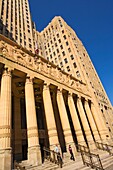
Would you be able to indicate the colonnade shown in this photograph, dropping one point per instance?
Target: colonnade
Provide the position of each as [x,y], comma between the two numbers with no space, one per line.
[92,122]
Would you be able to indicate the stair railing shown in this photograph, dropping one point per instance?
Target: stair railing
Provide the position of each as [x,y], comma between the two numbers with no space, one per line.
[105,147]
[88,158]
[53,156]
[82,148]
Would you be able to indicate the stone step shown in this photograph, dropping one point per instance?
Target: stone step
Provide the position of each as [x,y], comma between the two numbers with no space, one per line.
[106,159]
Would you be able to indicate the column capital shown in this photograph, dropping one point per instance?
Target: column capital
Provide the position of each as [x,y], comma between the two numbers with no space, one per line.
[86,100]
[46,85]
[59,90]
[70,94]
[7,71]
[29,79]
[79,97]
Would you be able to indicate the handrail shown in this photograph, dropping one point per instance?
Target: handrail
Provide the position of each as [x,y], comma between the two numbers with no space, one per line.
[92,160]
[53,156]
[16,165]
[88,158]
[105,147]
[82,148]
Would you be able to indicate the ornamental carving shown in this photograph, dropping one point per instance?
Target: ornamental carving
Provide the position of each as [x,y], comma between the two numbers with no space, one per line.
[37,64]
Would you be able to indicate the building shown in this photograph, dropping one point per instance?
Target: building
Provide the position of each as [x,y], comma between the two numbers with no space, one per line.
[47,98]
[60,45]
[16,23]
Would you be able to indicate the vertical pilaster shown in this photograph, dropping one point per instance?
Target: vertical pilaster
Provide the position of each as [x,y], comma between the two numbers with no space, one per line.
[17,129]
[91,121]
[85,124]
[75,120]
[5,124]
[65,121]
[34,155]
[100,123]
[51,126]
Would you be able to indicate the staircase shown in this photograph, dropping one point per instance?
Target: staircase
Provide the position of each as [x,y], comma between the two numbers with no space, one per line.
[106,159]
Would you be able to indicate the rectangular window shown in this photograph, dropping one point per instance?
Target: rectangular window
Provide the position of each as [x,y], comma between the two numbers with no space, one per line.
[72,57]
[74,64]
[65,60]
[63,53]
[68,69]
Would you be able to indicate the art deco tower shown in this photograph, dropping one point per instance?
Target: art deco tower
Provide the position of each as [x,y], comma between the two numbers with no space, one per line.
[16,23]
[60,45]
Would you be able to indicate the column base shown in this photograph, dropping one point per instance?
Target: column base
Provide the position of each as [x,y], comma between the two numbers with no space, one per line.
[34,155]
[6,159]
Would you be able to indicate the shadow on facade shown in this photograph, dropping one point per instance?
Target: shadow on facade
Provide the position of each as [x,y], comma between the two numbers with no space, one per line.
[4,31]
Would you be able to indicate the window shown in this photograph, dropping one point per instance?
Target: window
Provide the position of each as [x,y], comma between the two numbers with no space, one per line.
[54,53]
[63,53]
[29,39]
[62,31]
[59,57]
[68,69]
[69,50]
[57,50]
[67,43]
[77,73]
[61,64]
[55,44]
[72,57]
[74,64]
[57,35]
[59,40]
[64,36]
[30,46]
[65,60]
[61,47]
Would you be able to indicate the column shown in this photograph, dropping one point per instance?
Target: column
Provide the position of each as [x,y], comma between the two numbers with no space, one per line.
[75,120]
[100,123]
[5,124]
[17,130]
[65,121]
[34,155]
[85,124]
[91,121]
[50,120]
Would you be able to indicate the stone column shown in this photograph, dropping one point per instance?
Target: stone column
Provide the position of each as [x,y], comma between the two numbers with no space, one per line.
[17,129]
[85,124]
[75,120]
[92,122]
[100,123]
[65,121]
[34,154]
[5,124]
[50,120]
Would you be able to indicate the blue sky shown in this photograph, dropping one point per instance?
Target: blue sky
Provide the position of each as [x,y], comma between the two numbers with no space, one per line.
[92,20]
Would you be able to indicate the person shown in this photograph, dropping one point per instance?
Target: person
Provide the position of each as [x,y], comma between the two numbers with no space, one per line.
[56,149]
[71,153]
[59,159]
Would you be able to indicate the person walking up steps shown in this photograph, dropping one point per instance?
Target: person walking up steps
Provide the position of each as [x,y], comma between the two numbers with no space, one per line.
[71,153]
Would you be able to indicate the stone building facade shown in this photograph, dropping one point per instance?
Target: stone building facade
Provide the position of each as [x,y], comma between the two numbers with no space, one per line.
[44,102]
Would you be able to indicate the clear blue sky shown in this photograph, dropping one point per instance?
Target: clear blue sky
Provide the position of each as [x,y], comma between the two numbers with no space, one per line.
[92,20]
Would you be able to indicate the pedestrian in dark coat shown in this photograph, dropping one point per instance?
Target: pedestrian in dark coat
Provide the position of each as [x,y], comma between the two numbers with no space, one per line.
[71,153]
